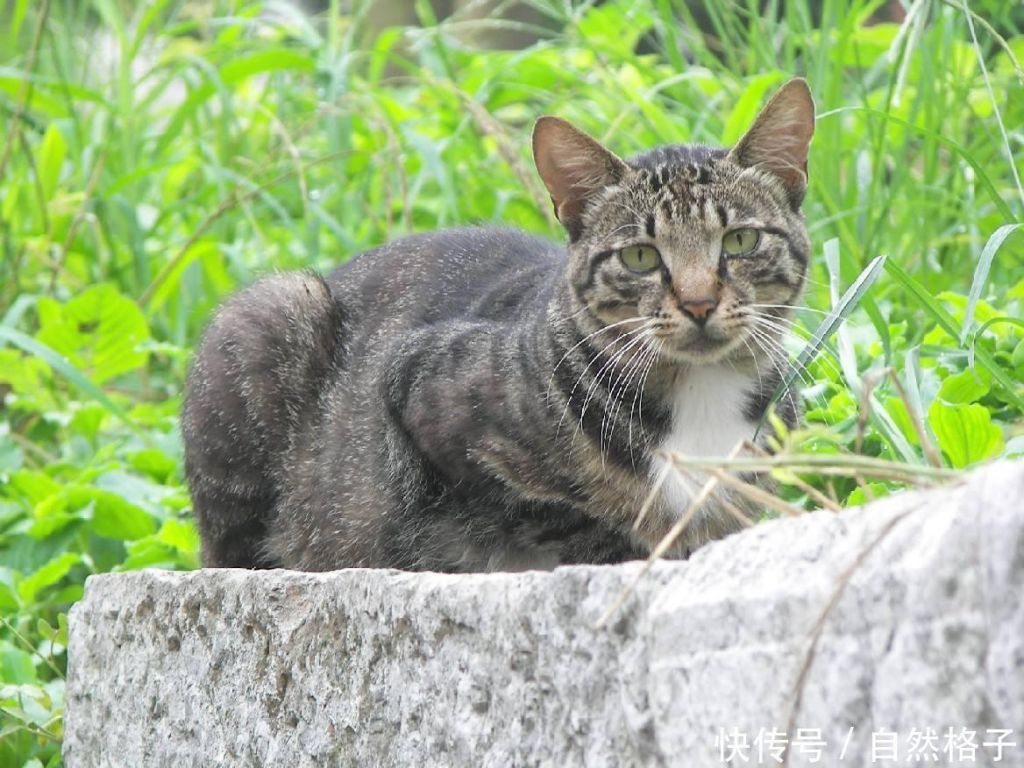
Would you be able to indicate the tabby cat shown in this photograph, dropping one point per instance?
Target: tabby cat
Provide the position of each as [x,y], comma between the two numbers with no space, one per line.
[479,399]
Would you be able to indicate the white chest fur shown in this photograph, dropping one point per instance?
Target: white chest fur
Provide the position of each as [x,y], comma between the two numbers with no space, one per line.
[707,420]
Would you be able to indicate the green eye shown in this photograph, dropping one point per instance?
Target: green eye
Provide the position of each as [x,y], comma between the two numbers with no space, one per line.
[740,241]
[640,258]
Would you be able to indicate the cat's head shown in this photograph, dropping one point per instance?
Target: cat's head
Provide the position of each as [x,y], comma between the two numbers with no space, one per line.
[706,246]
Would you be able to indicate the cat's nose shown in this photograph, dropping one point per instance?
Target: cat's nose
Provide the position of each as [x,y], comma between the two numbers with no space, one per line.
[700,310]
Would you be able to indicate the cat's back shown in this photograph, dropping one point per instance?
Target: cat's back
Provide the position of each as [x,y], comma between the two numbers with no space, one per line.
[473,273]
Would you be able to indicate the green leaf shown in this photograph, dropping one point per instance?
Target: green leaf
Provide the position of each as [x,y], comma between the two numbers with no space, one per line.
[45,631]
[17,18]
[116,518]
[61,365]
[112,17]
[1017,358]
[143,492]
[981,271]
[614,27]
[152,462]
[47,576]
[100,328]
[180,534]
[176,545]
[62,629]
[965,387]
[866,494]
[50,160]
[16,667]
[942,319]
[50,518]
[846,304]
[8,592]
[260,62]
[34,487]
[11,456]
[28,377]
[936,135]
[33,702]
[148,553]
[86,421]
[169,279]
[68,595]
[965,433]
[866,45]
[233,72]
[747,105]
[901,417]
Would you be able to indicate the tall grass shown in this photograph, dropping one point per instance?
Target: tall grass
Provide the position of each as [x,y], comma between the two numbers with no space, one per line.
[155,156]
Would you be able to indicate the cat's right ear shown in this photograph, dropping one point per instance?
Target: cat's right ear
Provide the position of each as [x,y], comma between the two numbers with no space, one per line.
[780,137]
[574,168]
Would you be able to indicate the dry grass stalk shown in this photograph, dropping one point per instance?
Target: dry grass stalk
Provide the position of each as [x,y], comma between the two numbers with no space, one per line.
[820,498]
[231,201]
[930,451]
[841,465]
[754,493]
[655,490]
[27,86]
[819,625]
[667,541]
[741,517]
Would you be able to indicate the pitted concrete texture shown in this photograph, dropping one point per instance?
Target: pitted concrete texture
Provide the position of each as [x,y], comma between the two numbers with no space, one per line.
[897,621]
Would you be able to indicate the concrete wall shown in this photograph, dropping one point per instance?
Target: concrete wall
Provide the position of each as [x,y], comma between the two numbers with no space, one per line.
[918,600]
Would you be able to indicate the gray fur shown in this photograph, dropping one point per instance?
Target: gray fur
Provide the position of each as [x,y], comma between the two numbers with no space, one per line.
[478,399]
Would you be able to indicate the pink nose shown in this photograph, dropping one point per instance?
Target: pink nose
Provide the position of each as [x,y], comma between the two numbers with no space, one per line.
[699,311]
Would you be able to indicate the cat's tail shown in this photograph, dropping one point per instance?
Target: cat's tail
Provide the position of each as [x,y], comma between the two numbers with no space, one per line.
[257,375]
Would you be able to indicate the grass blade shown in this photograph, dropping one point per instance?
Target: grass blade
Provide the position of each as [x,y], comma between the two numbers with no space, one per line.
[994,243]
[982,173]
[61,365]
[943,318]
[847,303]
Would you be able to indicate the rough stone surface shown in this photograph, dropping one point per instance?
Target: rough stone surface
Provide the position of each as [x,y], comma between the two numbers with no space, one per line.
[923,628]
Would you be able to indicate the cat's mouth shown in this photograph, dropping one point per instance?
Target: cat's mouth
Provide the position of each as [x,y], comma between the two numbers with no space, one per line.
[705,344]
[699,346]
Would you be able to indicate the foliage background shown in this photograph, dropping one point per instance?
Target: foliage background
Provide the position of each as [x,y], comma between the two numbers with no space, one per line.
[155,156]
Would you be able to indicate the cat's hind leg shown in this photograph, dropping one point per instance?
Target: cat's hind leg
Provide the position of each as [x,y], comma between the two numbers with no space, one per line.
[257,374]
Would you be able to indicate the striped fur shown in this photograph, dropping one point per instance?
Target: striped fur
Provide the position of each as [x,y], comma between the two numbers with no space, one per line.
[480,399]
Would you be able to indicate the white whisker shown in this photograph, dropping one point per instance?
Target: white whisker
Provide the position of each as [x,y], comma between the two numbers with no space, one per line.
[592,389]
[600,373]
[585,339]
[655,350]
[617,386]
[788,306]
[635,371]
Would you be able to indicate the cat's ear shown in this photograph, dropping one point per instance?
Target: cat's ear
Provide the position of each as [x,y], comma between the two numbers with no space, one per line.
[574,168]
[778,140]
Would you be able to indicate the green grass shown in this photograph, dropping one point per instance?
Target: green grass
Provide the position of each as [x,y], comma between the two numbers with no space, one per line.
[156,156]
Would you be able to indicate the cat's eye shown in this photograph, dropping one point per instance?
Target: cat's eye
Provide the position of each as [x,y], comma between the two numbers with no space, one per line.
[740,241]
[640,258]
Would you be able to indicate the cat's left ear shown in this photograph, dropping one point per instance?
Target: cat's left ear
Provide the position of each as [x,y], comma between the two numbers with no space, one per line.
[574,168]
[778,140]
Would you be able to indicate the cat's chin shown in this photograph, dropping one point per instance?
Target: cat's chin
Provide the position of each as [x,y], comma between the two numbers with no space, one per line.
[702,350]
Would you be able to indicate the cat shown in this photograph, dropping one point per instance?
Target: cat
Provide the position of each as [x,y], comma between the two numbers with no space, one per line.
[480,399]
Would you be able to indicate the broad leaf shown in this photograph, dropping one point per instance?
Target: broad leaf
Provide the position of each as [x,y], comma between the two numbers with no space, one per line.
[965,387]
[101,330]
[47,576]
[965,433]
